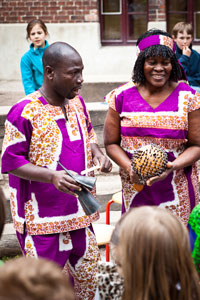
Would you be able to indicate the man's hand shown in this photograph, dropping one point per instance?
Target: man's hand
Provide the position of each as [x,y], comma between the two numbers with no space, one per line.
[65,183]
[186,51]
[100,159]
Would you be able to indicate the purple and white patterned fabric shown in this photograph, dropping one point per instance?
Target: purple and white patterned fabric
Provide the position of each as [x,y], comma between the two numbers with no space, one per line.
[167,126]
[37,132]
[157,40]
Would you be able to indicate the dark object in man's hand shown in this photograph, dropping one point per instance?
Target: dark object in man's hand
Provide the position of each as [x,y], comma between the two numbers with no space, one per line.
[87,200]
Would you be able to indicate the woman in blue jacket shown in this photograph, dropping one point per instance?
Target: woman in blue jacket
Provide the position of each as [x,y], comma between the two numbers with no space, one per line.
[31,62]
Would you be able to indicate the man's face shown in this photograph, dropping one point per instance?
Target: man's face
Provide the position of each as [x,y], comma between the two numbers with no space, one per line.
[68,77]
[183,39]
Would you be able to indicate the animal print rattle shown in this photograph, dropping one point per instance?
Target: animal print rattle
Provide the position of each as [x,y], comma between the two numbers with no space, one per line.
[148,161]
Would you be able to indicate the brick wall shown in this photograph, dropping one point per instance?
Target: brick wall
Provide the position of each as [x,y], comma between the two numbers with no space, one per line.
[157,10]
[65,11]
[50,11]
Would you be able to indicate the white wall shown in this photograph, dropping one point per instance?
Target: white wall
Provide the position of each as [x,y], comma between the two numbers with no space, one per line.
[102,64]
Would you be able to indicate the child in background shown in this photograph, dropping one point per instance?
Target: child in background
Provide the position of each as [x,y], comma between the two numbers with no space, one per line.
[31,62]
[182,34]
[27,278]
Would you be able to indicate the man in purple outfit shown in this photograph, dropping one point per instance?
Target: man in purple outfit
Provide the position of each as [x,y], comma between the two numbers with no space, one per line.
[47,126]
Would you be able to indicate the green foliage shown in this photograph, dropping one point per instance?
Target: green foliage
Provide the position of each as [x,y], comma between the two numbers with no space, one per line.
[6,258]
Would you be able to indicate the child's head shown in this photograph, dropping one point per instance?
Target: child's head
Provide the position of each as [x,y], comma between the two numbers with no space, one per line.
[33,279]
[2,210]
[180,27]
[37,32]
[182,33]
[155,256]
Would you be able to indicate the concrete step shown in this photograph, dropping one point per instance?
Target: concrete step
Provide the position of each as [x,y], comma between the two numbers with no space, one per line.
[13,91]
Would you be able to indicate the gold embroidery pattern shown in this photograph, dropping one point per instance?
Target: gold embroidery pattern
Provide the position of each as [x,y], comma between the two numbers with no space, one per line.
[194,102]
[132,143]
[84,274]
[182,208]
[92,134]
[19,226]
[12,136]
[29,247]
[36,226]
[167,41]
[151,121]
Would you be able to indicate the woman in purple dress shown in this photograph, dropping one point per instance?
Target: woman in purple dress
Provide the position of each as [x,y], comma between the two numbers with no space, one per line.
[156,107]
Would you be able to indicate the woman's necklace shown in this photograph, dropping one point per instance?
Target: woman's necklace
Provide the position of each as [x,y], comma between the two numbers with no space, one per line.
[62,107]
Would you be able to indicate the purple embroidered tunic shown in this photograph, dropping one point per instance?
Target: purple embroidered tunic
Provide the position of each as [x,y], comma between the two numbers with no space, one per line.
[167,126]
[37,132]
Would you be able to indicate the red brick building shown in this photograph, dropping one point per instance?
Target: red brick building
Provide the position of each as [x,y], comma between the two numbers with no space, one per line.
[99,29]
[121,20]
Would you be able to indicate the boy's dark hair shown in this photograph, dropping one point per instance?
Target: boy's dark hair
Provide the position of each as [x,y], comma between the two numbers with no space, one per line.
[152,51]
[181,27]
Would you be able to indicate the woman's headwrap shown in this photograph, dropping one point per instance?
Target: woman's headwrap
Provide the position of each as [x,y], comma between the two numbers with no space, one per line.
[163,40]
[157,40]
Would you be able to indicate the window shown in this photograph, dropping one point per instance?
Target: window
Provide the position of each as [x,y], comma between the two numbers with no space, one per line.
[122,21]
[187,11]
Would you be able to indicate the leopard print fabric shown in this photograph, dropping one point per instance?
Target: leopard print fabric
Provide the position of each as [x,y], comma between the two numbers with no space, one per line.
[110,283]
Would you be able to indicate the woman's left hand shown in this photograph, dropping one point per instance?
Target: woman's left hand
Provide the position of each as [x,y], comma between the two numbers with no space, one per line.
[162,176]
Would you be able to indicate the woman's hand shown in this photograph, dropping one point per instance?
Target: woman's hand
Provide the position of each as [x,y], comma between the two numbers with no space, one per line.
[169,169]
[134,178]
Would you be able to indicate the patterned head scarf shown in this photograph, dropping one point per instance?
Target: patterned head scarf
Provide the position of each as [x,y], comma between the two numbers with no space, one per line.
[159,39]
[156,40]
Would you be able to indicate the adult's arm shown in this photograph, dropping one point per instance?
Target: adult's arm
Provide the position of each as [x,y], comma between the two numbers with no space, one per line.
[59,179]
[192,152]
[112,139]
